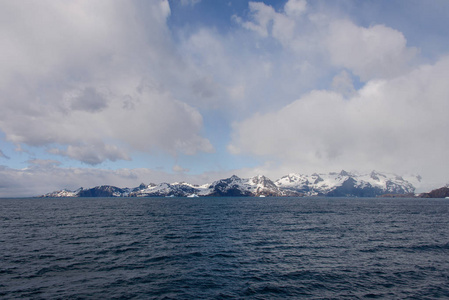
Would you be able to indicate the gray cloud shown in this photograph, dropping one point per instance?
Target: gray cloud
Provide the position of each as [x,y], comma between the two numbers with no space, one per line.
[89,100]
[92,154]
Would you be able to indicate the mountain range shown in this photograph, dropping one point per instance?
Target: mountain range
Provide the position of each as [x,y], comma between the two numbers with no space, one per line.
[342,184]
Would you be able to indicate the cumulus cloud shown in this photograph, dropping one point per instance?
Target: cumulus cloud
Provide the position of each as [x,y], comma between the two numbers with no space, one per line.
[382,121]
[89,79]
[398,125]
[371,52]
[374,52]
[263,15]
[237,75]
[295,7]
[266,21]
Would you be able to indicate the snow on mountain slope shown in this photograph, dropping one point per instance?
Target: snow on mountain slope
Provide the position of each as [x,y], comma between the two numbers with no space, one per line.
[236,186]
[178,189]
[232,186]
[346,184]
[332,184]
[62,194]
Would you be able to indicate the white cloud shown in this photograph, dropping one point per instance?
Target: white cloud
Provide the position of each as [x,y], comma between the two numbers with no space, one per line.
[87,77]
[295,7]
[397,125]
[337,126]
[237,75]
[266,21]
[262,15]
[326,41]
[374,52]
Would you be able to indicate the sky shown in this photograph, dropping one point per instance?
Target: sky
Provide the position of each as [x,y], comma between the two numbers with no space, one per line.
[129,92]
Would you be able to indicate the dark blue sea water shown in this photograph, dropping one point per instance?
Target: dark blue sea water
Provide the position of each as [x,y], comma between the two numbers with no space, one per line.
[224,248]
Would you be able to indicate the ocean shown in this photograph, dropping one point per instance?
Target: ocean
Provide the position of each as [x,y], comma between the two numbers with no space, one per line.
[224,248]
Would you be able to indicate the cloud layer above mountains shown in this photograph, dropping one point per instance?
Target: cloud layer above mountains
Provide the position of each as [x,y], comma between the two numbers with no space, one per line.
[395,120]
[294,86]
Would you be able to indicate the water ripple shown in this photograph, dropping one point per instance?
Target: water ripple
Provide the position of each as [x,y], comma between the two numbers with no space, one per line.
[224,248]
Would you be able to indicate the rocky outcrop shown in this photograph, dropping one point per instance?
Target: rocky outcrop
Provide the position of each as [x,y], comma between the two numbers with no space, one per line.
[438,193]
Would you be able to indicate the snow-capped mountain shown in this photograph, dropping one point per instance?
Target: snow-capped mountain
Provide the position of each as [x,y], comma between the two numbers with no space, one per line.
[232,186]
[346,184]
[236,186]
[98,191]
[104,191]
[331,184]
[177,189]
[63,194]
